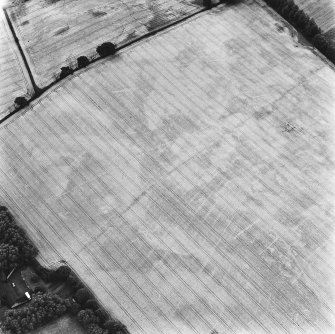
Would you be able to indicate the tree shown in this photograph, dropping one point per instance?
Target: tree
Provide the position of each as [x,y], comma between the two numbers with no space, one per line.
[300,19]
[21,101]
[60,274]
[73,307]
[114,326]
[311,29]
[278,4]
[65,71]
[9,256]
[330,53]
[74,282]
[40,289]
[34,278]
[82,61]
[106,49]
[86,317]
[207,3]
[94,329]
[13,235]
[92,304]
[102,315]
[303,21]
[232,2]
[42,309]
[292,12]
[285,11]
[321,43]
[3,208]
[82,295]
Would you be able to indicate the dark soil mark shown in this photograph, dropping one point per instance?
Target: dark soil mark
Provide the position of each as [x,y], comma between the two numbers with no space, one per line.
[98,13]
[197,2]
[51,2]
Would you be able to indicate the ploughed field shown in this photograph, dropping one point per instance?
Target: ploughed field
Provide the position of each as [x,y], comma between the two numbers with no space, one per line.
[55,33]
[322,11]
[14,77]
[189,179]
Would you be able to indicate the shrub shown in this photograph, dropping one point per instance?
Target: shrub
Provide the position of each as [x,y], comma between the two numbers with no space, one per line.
[60,274]
[82,295]
[106,49]
[21,101]
[44,273]
[86,317]
[34,278]
[3,209]
[73,307]
[82,61]
[74,282]
[92,304]
[40,289]
[42,309]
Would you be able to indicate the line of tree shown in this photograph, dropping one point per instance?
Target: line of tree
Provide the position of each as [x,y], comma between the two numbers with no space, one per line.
[17,250]
[104,50]
[15,247]
[306,25]
[44,308]
[90,314]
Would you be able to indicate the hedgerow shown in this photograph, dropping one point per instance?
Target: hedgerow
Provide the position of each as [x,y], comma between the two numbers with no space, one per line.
[17,250]
[15,241]
[305,25]
[41,310]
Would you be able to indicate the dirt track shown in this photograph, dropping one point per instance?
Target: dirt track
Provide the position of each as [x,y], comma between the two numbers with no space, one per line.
[14,77]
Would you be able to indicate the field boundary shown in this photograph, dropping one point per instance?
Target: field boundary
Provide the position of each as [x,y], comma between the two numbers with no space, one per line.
[17,42]
[296,17]
[39,91]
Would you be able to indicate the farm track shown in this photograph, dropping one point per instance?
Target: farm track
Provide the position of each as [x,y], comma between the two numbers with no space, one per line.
[37,91]
[188,180]
[15,80]
[69,30]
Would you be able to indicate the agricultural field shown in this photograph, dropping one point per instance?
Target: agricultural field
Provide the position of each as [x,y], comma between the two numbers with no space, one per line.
[14,77]
[189,181]
[322,11]
[55,33]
